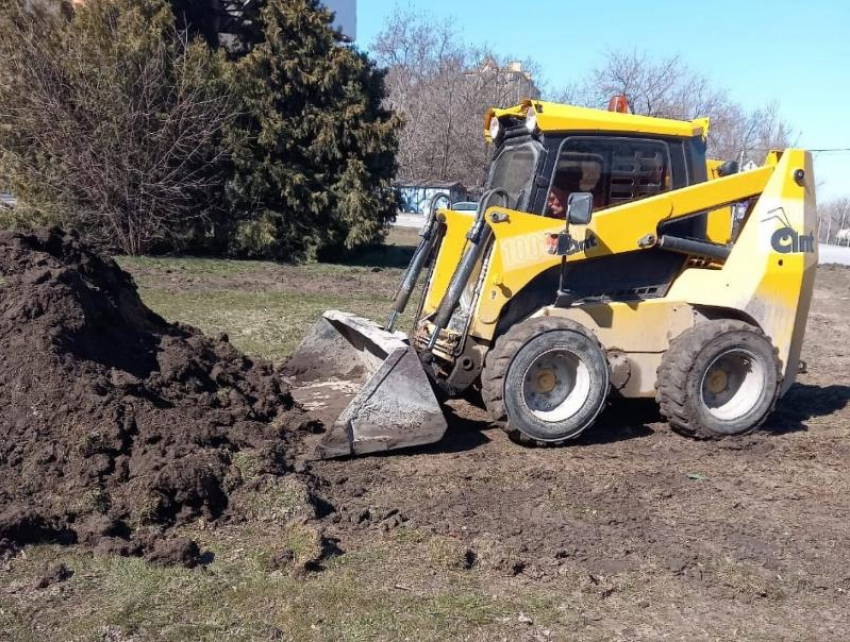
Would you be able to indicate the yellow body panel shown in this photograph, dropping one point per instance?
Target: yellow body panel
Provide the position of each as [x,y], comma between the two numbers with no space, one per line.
[520,252]
[770,274]
[719,223]
[645,326]
[553,117]
[712,166]
[767,279]
[451,250]
[640,331]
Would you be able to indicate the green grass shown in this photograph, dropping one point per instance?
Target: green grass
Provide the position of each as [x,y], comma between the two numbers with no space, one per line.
[358,597]
[394,253]
[265,307]
[194,265]
[268,325]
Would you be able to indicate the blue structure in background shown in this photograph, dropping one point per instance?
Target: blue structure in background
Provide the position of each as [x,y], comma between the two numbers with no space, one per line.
[7,200]
[414,196]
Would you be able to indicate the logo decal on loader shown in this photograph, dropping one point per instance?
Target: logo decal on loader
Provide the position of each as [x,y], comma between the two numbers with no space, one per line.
[565,245]
[786,240]
[588,243]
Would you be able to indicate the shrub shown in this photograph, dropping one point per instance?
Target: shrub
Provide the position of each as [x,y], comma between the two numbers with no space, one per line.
[143,137]
[112,123]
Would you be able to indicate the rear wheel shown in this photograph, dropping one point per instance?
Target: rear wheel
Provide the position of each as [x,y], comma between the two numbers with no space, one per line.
[718,379]
[545,381]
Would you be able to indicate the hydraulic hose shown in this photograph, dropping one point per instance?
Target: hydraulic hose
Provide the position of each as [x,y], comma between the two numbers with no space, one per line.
[478,236]
[694,247]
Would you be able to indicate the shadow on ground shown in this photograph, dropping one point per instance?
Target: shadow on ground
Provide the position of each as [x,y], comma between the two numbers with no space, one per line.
[463,434]
[628,419]
[803,403]
[380,257]
[624,419]
[620,422]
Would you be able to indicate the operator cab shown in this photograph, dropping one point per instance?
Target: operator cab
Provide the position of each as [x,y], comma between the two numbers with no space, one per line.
[544,153]
[547,152]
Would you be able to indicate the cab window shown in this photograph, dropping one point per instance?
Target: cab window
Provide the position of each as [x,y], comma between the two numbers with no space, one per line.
[513,170]
[614,170]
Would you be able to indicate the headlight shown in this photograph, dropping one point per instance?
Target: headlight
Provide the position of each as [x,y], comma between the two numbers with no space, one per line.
[531,120]
[495,128]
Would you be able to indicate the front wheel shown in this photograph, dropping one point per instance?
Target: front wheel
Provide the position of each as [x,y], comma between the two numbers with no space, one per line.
[546,381]
[718,379]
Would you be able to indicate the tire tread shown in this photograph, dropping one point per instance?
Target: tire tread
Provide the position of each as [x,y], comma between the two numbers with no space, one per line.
[672,375]
[498,362]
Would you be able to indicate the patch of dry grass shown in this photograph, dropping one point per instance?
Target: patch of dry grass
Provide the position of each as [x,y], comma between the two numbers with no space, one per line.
[267,308]
[361,596]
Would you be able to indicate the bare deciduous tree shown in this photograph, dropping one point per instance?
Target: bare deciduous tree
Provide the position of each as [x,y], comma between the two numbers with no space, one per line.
[834,222]
[110,127]
[442,87]
[669,88]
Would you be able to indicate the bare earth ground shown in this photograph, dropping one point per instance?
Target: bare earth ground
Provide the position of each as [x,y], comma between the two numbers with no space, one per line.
[635,533]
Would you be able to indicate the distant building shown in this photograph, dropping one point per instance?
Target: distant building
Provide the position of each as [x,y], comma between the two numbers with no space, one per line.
[7,200]
[512,77]
[414,196]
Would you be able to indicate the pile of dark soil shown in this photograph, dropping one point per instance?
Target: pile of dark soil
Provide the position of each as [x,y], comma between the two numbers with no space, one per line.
[116,426]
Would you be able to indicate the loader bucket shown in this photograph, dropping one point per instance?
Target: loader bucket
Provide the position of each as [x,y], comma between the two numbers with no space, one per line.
[366,385]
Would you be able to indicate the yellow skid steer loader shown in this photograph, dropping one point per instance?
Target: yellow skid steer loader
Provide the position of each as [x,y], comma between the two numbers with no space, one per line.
[608,258]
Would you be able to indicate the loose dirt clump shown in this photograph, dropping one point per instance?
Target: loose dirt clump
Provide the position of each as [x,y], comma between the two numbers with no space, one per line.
[54,575]
[116,426]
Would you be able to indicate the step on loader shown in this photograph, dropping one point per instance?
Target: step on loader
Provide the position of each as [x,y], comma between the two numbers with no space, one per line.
[608,258]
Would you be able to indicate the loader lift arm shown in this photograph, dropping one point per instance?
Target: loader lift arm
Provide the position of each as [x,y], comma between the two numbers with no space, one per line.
[635,225]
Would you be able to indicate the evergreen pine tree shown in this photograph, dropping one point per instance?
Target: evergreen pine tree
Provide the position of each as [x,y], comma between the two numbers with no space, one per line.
[313,150]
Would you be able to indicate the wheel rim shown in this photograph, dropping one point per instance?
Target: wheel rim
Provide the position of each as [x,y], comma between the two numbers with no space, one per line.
[556,386]
[733,385]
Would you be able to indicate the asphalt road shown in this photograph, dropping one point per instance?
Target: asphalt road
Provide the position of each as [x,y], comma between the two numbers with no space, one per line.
[410,220]
[833,254]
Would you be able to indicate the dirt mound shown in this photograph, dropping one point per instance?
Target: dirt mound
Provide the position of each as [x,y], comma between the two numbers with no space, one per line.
[115,425]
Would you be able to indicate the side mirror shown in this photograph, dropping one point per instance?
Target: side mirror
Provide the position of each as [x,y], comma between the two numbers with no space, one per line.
[580,208]
[728,168]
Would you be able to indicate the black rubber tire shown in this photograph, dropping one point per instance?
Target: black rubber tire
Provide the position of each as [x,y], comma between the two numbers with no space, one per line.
[500,387]
[680,378]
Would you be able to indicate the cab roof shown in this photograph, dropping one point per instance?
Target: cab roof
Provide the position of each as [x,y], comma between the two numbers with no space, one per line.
[554,117]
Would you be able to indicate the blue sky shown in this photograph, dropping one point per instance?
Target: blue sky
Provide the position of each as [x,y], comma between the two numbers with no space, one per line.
[797,53]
